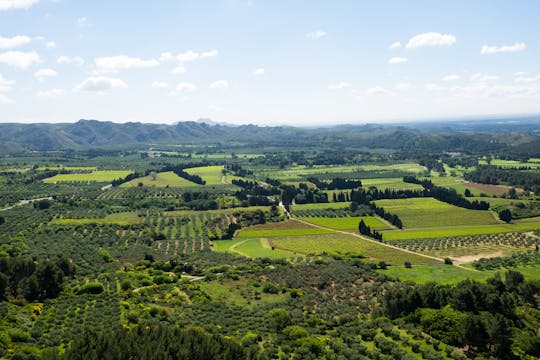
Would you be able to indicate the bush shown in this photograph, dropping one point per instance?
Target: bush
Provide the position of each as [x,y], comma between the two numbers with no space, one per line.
[448,261]
[91,288]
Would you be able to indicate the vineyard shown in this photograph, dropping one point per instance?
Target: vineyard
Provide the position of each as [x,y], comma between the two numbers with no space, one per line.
[506,243]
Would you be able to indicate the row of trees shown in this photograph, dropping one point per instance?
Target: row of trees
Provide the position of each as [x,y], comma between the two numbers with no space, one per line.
[337,183]
[528,180]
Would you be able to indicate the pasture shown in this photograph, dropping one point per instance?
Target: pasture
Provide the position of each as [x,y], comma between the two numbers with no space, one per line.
[322,206]
[94,176]
[280,229]
[252,247]
[390,183]
[347,223]
[212,175]
[162,179]
[428,212]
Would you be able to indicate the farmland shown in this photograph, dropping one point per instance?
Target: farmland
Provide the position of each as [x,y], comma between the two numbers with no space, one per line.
[162,179]
[94,176]
[244,261]
[428,212]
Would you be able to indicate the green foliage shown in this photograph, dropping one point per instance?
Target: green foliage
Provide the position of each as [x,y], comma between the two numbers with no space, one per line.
[91,288]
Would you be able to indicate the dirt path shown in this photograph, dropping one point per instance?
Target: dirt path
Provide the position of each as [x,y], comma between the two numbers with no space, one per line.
[233,248]
[25,202]
[471,258]
[378,243]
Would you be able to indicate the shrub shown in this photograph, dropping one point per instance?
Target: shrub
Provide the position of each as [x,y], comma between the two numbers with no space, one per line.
[91,288]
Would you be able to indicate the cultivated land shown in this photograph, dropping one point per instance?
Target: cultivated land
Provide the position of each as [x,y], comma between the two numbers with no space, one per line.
[160,251]
[94,176]
[161,179]
[428,212]
[212,175]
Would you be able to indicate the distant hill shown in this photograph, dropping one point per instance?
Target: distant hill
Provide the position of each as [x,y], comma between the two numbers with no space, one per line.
[452,136]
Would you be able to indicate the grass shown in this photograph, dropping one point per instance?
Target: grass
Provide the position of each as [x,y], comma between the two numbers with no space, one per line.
[299,171]
[280,229]
[219,211]
[390,183]
[212,175]
[447,274]
[239,292]
[69,168]
[428,212]
[253,248]
[346,245]
[462,230]
[346,223]
[510,163]
[162,179]
[318,206]
[127,218]
[95,176]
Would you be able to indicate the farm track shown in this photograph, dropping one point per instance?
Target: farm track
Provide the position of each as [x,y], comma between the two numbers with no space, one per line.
[233,248]
[378,243]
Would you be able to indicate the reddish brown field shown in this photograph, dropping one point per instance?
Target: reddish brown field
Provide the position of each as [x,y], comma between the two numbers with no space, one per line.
[491,189]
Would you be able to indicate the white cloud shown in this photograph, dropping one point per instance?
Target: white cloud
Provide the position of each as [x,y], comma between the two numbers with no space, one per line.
[83,21]
[524,78]
[100,83]
[159,85]
[16,4]
[4,99]
[479,77]
[112,64]
[185,87]
[19,59]
[188,56]
[397,60]
[53,93]
[338,86]
[404,86]
[50,45]
[209,54]
[318,34]
[483,90]
[488,50]
[5,85]
[41,74]
[378,90]
[434,88]
[77,60]
[219,84]
[451,77]
[179,70]
[431,39]
[395,45]
[13,42]
[258,72]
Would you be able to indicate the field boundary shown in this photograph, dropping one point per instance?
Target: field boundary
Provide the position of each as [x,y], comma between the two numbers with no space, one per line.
[382,243]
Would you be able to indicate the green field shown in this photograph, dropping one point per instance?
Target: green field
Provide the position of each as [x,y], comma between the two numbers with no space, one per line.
[462,230]
[346,223]
[254,248]
[428,212]
[299,171]
[317,206]
[94,176]
[212,175]
[389,183]
[68,168]
[162,179]
[511,163]
[280,229]
[341,244]
[127,218]
[447,274]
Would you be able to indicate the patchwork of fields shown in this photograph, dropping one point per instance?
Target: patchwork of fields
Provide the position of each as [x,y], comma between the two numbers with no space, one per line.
[94,176]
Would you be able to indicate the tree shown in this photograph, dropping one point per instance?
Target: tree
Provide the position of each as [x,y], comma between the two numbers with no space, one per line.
[2,220]
[505,215]
[468,193]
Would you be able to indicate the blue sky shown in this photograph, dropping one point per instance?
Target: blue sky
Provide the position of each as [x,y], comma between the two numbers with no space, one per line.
[267,62]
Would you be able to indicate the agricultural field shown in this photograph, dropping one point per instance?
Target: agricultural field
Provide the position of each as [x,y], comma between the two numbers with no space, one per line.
[389,183]
[303,171]
[428,212]
[94,176]
[321,206]
[212,175]
[510,163]
[347,223]
[252,248]
[162,179]
[280,229]
[346,245]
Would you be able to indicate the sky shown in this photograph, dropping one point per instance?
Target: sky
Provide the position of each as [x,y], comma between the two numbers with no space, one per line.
[273,62]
